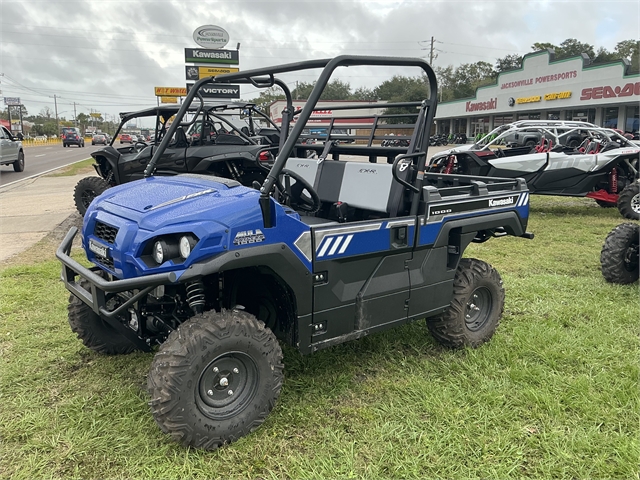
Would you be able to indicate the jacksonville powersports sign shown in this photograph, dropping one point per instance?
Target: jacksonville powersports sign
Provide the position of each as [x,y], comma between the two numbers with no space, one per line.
[205,55]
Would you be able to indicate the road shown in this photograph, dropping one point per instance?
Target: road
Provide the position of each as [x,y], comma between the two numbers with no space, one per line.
[38,160]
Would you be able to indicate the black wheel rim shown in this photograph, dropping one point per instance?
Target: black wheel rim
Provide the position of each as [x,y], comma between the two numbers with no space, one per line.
[478,309]
[227,385]
[631,258]
[87,197]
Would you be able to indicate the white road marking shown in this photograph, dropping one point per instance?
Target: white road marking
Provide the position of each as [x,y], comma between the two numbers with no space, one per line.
[36,156]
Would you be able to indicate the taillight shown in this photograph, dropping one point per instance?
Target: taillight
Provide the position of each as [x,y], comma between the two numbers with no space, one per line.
[264,156]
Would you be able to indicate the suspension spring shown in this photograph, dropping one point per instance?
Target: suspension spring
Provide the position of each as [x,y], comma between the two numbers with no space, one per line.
[195,296]
[613,181]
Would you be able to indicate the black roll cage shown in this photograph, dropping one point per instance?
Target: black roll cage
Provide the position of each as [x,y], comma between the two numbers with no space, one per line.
[264,78]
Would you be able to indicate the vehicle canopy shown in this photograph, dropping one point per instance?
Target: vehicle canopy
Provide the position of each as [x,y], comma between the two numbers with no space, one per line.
[265,78]
[213,112]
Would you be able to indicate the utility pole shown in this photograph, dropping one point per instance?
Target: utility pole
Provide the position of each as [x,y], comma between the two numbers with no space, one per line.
[431,51]
[75,115]
[55,103]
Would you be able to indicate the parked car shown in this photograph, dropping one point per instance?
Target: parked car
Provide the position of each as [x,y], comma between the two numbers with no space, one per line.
[230,155]
[99,139]
[604,166]
[11,150]
[125,138]
[72,136]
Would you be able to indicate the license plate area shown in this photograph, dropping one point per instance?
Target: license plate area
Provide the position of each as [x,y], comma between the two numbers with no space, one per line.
[98,249]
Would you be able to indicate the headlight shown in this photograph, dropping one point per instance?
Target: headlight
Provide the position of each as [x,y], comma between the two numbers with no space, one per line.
[175,247]
[159,251]
[186,244]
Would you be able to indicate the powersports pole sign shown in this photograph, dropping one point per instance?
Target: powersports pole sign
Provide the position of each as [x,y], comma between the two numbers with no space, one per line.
[218,90]
[205,55]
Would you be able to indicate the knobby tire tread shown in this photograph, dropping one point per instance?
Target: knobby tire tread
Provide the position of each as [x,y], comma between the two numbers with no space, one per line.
[449,328]
[182,350]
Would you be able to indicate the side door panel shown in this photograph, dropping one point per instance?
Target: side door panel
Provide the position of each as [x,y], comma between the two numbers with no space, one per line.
[360,273]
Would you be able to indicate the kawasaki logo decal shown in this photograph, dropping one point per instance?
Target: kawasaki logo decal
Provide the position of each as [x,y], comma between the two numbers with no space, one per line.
[501,202]
[487,203]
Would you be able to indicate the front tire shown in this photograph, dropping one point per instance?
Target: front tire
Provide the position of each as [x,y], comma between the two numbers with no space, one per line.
[86,190]
[18,165]
[94,332]
[476,308]
[629,202]
[215,379]
[619,256]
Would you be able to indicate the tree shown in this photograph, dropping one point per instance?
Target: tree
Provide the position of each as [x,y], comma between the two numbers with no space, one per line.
[569,48]
[364,94]
[510,62]
[630,49]
[46,112]
[463,81]
[335,90]
[402,89]
[572,47]
[266,98]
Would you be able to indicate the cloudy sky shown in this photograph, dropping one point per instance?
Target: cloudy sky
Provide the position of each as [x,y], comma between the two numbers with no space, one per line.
[107,56]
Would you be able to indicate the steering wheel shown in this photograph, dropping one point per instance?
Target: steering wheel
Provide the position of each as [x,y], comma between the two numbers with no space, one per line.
[139,142]
[299,196]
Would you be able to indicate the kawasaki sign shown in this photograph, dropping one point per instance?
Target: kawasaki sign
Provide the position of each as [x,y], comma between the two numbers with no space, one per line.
[203,55]
[218,91]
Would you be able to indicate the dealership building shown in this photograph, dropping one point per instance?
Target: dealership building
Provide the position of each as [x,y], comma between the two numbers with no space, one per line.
[544,89]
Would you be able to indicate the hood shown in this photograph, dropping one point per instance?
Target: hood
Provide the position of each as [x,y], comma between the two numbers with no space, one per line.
[156,202]
[454,150]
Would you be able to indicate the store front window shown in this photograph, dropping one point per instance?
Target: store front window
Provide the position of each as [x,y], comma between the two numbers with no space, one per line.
[460,125]
[479,125]
[610,117]
[584,115]
[553,115]
[529,116]
[502,120]
[633,120]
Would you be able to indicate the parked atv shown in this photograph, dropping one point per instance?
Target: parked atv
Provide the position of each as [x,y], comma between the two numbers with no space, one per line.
[327,250]
[221,139]
[619,256]
[604,166]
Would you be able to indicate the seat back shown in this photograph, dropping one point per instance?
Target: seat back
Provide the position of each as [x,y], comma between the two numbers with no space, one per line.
[181,139]
[365,186]
[307,168]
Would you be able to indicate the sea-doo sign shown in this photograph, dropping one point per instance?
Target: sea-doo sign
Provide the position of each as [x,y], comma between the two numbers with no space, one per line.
[211,36]
[202,55]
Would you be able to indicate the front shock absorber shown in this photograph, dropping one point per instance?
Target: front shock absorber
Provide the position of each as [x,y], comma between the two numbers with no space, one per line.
[613,181]
[196,296]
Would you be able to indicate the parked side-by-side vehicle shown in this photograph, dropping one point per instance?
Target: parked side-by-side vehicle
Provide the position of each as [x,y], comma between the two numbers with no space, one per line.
[555,158]
[321,250]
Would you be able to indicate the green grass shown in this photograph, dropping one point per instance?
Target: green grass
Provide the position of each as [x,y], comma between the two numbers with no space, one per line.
[84,166]
[554,394]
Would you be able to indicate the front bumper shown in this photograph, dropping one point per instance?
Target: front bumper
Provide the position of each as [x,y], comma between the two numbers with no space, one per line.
[101,288]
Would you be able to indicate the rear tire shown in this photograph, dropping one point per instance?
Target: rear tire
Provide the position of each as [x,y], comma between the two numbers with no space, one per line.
[629,202]
[86,190]
[94,332]
[476,307]
[18,165]
[215,379]
[619,256]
